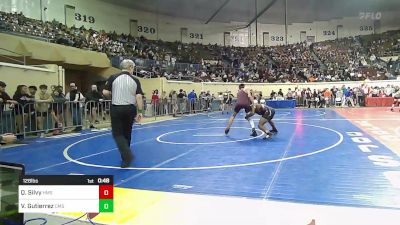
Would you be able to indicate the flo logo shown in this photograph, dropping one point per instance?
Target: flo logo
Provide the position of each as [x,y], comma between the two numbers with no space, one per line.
[370,15]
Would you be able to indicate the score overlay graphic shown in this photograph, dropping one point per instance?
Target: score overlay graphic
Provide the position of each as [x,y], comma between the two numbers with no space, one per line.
[66,193]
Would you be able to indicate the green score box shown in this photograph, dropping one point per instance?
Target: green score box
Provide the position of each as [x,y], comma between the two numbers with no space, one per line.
[106,205]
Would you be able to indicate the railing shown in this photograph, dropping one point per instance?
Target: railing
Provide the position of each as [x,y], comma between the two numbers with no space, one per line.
[36,34]
[57,117]
[182,107]
[41,118]
[12,59]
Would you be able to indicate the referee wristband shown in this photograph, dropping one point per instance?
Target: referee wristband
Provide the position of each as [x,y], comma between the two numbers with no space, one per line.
[140,111]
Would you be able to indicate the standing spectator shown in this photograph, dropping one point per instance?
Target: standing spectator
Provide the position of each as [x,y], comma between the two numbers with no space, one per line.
[375,92]
[32,91]
[339,96]
[75,98]
[298,95]
[31,110]
[315,98]
[23,98]
[381,92]
[192,98]
[174,102]
[360,96]
[348,95]
[389,91]
[333,100]
[202,99]
[309,97]
[57,109]
[272,95]
[396,100]
[289,95]
[224,101]
[304,97]
[208,100]
[42,108]
[365,91]
[320,99]
[327,97]
[94,99]
[181,101]
[356,95]
[127,106]
[155,100]
[280,93]
[4,98]
[164,103]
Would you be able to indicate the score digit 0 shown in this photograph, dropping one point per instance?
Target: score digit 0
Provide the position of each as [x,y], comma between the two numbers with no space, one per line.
[106,192]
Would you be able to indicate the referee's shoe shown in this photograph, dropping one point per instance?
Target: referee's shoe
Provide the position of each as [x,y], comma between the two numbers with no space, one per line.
[127,163]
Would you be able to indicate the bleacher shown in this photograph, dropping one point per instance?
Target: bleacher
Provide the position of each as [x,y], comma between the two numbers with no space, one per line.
[332,61]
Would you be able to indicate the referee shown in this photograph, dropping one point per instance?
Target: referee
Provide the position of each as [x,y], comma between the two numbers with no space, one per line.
[126,93]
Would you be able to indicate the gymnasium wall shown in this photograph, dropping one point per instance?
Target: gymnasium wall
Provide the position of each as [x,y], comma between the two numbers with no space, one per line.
[389,21]
[169,86]
[14,75]
[104,16]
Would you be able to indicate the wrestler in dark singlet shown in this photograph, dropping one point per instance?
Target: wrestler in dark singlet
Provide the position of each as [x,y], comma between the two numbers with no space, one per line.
[267,114]
[244,101]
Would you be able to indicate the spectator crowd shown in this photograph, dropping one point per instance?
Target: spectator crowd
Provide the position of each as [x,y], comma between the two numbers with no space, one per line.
[45,110]
[354,58]
[336,96]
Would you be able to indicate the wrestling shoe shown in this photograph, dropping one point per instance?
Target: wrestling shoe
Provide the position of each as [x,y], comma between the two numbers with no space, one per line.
[267,137]
[127,163]
[274,131]
[254,133]
[227,131]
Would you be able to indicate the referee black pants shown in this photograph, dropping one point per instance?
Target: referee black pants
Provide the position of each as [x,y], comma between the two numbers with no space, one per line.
[122,118]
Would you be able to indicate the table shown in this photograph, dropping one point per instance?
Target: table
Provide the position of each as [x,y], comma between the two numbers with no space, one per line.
[281,103]
[379,101]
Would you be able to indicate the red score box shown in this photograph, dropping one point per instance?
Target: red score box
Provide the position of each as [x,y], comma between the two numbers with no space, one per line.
[106,192]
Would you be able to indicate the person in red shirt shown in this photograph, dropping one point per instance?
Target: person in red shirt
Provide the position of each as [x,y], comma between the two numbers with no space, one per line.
[155,100]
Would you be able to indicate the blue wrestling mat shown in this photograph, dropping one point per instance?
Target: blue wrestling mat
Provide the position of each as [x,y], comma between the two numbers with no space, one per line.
[313,159]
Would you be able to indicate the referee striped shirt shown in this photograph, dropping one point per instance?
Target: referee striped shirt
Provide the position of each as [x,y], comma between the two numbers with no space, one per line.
[124,88]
